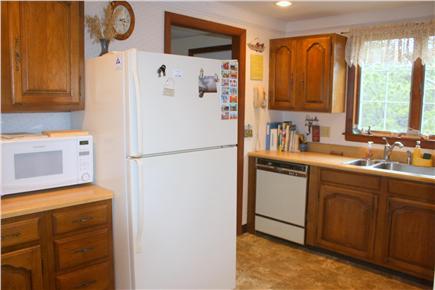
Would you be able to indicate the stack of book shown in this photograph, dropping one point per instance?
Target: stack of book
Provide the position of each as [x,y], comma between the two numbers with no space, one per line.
[282,136]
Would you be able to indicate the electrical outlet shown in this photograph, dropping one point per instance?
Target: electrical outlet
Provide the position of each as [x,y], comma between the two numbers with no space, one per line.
[248,131]
[324,131]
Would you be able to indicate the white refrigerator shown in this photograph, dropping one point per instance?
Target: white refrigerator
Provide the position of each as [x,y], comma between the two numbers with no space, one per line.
[169,154]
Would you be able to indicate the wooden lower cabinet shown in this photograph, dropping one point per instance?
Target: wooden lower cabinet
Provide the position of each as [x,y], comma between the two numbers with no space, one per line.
[22,269]
[73,245]
[410,236]
[90,278]
[346,220]
[388,222]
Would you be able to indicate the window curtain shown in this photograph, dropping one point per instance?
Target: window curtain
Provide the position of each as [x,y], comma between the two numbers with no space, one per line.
[391,44]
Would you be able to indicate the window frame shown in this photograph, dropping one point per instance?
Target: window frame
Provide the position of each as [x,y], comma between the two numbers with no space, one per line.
[415,110]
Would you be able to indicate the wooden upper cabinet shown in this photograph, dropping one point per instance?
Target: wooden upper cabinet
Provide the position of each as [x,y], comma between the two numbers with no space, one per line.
[282,70]
[317,73]
[43,58]
[315,67]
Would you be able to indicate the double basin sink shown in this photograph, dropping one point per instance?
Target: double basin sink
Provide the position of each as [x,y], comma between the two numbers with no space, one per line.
[393,166]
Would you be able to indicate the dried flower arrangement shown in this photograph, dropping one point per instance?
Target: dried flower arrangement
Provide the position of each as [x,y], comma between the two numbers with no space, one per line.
[102,30]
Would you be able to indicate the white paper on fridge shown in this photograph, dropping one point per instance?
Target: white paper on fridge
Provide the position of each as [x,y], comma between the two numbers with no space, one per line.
[274,139]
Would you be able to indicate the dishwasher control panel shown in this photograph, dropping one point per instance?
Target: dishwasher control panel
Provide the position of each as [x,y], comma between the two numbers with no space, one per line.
[283,167]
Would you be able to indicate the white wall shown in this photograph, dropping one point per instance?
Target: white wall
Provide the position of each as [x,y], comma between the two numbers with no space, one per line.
[181,46]
[34,122]
[339,24]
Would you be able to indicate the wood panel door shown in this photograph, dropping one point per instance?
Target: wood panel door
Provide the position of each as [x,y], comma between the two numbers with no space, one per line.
[346,221]
[410,236]
[45,44]
[282,74]
[22,269]
[314,74]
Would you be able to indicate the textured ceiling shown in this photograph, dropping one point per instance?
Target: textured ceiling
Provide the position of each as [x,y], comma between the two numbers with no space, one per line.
[302,10]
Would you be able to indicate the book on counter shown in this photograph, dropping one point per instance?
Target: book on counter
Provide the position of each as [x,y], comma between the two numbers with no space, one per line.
[281,136]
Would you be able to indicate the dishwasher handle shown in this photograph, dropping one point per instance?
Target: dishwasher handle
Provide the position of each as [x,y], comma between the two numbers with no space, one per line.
[281,170]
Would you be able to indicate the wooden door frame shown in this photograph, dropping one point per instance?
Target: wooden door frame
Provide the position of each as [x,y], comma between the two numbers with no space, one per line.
[238,52]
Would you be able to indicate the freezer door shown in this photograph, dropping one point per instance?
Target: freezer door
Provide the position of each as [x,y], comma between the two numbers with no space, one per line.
[166,111]
[183,213]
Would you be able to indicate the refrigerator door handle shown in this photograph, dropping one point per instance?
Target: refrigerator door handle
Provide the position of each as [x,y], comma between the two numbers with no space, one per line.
[138,109]
[138,199]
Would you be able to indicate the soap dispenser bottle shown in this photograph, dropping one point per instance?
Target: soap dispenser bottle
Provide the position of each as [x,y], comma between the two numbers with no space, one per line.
[416,154]
[369,155]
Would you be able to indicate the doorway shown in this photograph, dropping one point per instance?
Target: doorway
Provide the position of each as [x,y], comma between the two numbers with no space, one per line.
[199,43]
[178,24]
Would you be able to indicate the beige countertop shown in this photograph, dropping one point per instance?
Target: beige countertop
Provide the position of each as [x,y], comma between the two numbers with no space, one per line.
[336,162]
[39,201]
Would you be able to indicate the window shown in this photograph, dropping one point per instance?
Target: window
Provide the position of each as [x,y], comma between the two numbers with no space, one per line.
[391,87]
[385,88]
[428,112]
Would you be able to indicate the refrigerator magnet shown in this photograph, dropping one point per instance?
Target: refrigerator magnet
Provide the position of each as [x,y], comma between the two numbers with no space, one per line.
[233,115]
[169,88]
[118,62]
[177,73]
[207,84]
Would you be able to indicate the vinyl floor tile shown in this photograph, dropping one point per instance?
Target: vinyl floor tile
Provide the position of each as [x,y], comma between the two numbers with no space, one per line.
[265,263]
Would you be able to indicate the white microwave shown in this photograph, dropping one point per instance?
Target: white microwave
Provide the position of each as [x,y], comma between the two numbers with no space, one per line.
[39,163]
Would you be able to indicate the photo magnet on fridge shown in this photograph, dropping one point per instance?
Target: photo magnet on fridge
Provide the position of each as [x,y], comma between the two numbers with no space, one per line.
[207,84]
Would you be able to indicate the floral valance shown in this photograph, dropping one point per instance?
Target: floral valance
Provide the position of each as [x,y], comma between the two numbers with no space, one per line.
[392,43]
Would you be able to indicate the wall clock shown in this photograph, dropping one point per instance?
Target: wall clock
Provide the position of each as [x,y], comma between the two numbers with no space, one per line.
[124,22]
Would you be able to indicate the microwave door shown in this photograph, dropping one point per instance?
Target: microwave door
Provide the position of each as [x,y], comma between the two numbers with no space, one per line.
[34,165]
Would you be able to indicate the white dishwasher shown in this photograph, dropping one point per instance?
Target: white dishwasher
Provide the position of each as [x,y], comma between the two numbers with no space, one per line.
[281,199]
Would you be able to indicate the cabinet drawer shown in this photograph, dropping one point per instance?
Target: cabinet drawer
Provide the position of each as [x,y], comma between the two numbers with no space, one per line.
[96,277]
[417,190]
[347,178]
[80,217]
[79,249]
[19,232]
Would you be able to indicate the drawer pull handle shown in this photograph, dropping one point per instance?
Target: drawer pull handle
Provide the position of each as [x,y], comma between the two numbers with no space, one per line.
[13,235]
[17,54]
[83,219]
[83,250]
[85,284]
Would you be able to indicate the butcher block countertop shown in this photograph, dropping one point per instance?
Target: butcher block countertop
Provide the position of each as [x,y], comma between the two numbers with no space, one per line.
[44,200]
[336,162]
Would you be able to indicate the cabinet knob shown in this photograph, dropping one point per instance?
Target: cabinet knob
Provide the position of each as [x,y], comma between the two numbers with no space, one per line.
[83,250]
[85,284]
[13,235]
[83,219]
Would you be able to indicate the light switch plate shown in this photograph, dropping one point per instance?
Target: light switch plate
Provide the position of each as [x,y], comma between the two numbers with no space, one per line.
[324,131]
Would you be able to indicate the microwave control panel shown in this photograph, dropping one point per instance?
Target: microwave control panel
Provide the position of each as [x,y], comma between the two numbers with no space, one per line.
[86,159]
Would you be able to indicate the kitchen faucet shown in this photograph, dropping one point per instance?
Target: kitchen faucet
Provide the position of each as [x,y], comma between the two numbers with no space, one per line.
[388,149]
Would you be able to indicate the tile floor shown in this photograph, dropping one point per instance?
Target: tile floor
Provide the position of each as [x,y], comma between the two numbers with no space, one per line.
[264,263]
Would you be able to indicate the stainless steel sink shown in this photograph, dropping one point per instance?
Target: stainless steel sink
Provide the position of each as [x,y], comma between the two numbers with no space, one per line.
[394,166]
[363,162]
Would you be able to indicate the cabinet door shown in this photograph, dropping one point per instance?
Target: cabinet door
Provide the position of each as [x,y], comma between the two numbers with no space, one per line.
[314,74]
[45,44]
[346,221]
[282,79]
[410,236]
[22,269]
